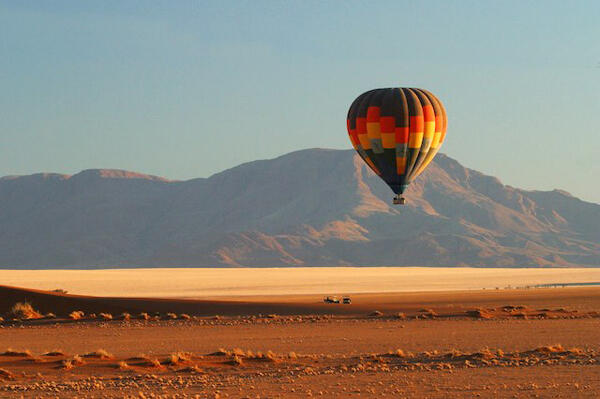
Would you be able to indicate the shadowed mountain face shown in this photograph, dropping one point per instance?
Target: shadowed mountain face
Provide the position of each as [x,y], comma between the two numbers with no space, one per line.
[307,208]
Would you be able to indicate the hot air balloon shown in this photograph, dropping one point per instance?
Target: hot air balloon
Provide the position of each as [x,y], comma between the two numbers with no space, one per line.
[397,132]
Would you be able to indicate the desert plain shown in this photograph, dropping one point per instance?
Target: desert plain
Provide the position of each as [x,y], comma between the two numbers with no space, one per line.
[274,336]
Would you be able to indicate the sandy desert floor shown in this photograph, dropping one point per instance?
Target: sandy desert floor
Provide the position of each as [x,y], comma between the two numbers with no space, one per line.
[216,282]
[505,343]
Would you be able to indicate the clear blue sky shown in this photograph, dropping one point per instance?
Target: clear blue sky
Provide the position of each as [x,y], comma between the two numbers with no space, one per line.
[186,89]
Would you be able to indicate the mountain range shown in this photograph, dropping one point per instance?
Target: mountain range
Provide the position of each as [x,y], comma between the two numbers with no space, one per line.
[314,207]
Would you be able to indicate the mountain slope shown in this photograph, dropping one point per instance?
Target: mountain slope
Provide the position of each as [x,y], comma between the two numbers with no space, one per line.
[312,208]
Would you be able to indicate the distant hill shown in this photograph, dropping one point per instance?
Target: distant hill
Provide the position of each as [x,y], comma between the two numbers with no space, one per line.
[307,208]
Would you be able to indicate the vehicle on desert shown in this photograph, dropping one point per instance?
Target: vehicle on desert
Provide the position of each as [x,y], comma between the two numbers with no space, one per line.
[334,299]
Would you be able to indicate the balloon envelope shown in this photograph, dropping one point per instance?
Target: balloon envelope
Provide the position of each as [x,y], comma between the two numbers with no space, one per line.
[397,132]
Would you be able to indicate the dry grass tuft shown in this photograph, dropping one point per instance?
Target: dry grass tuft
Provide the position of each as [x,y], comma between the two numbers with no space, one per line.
[68,364]
[6,375]
[99,354]
[24,311]
[235,361]
[13,353]
[106,316]
[399,353]
[122,365]
[270,356]
[241,352]
[76,315]
[375,313]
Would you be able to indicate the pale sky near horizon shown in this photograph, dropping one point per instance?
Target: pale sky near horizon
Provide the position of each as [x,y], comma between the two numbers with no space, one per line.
[186,89]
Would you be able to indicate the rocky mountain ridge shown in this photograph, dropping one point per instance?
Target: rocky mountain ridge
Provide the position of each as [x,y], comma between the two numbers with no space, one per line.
[308,208]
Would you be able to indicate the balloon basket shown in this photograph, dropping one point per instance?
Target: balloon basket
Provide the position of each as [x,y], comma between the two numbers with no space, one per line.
[399,201]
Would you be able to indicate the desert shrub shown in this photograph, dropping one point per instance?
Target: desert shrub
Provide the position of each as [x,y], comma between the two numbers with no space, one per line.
[270,356]
[60,291]
[106,316]
[24,311]
[239,352]
[185,316]
[125,316]
[68,364]
[76,315]
[122,365]
[144,316]
[375,313]
[171,316]
[399,353]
